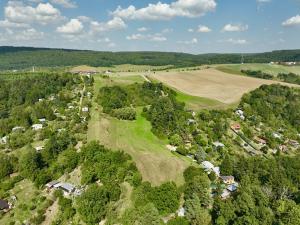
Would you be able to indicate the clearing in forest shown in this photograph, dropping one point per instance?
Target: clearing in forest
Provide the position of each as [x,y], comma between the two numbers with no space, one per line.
[211,84]
[155,162]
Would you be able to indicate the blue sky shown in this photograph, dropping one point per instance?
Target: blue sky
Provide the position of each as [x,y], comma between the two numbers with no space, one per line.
[193,26]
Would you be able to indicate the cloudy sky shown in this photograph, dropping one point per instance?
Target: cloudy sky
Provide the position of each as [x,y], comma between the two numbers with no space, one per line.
[194,26]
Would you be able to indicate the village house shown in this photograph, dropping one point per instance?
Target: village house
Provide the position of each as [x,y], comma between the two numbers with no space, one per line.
[18,128]
[191,121]
[85,109]
[228,179]
[218,144]
[5,206]
[37,127]
[172,148]
[50,185]
[39,148]
[260,141]
[294,143]
[4,140]
[181,212]
[277,136]
[283,148]
[42,120]
[236,127]
[67,188]
[240,113]
[225,194]
[209,167]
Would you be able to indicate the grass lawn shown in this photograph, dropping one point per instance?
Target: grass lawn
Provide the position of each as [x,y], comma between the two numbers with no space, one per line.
[28,197]
[198,103]
[156,163]
[267,68]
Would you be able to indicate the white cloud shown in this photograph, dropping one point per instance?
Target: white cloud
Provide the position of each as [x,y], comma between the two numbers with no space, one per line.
[191,42]
[263,1]
[203,29]
[167,30]
[65,3]
[234,28]
[293,21]
[74,26]
[107,41]
[7,24]
[28,35]
[191,30]
[236,41]
[149,37]
[43,13]
[115,24]
[164,11]
[142,29]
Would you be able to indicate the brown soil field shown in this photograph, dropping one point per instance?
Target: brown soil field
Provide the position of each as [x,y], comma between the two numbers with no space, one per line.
[212,84]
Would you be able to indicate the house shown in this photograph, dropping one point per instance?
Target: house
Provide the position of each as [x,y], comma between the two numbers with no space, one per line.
[294,143]
[4,205]
[216,170]
[209,167]
[236,127]
[259,140]
[277,136]
[172,148]
[191,121]
[228,179]
[232,187]
[43,120]
[225,194]
[218,144]
[283,148]
[37,127]
[240,113]
[51,184]
[85,109]
[3,140]
[15,129]
[67,188]
[181,212]
[39,148]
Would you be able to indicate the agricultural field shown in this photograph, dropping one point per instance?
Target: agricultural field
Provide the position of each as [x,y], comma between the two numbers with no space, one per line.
[266,68]
[211,84]
[120,68]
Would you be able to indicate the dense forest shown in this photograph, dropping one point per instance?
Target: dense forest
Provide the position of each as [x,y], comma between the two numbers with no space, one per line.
[276,105]
[21,57]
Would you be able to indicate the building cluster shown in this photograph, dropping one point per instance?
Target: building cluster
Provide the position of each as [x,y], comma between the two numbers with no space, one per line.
[229,185]
[67,188]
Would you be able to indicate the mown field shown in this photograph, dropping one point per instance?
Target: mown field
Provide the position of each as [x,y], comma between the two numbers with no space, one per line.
[266,68]
[211,84]
[156,163]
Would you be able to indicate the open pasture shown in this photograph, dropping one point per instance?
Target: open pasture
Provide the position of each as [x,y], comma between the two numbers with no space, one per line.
[211,84]
[266,68]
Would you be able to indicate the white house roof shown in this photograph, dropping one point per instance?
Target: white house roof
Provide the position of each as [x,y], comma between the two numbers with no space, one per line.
[218,144]
[207,165]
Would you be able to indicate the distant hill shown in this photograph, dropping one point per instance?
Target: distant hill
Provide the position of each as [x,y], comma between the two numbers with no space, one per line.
[25,57]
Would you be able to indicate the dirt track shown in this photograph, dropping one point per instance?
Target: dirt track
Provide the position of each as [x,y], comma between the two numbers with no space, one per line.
[211,83]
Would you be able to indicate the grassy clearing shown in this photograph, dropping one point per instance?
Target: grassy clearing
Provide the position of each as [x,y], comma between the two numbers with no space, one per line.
[29,201]
[154,161]
[267,68]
